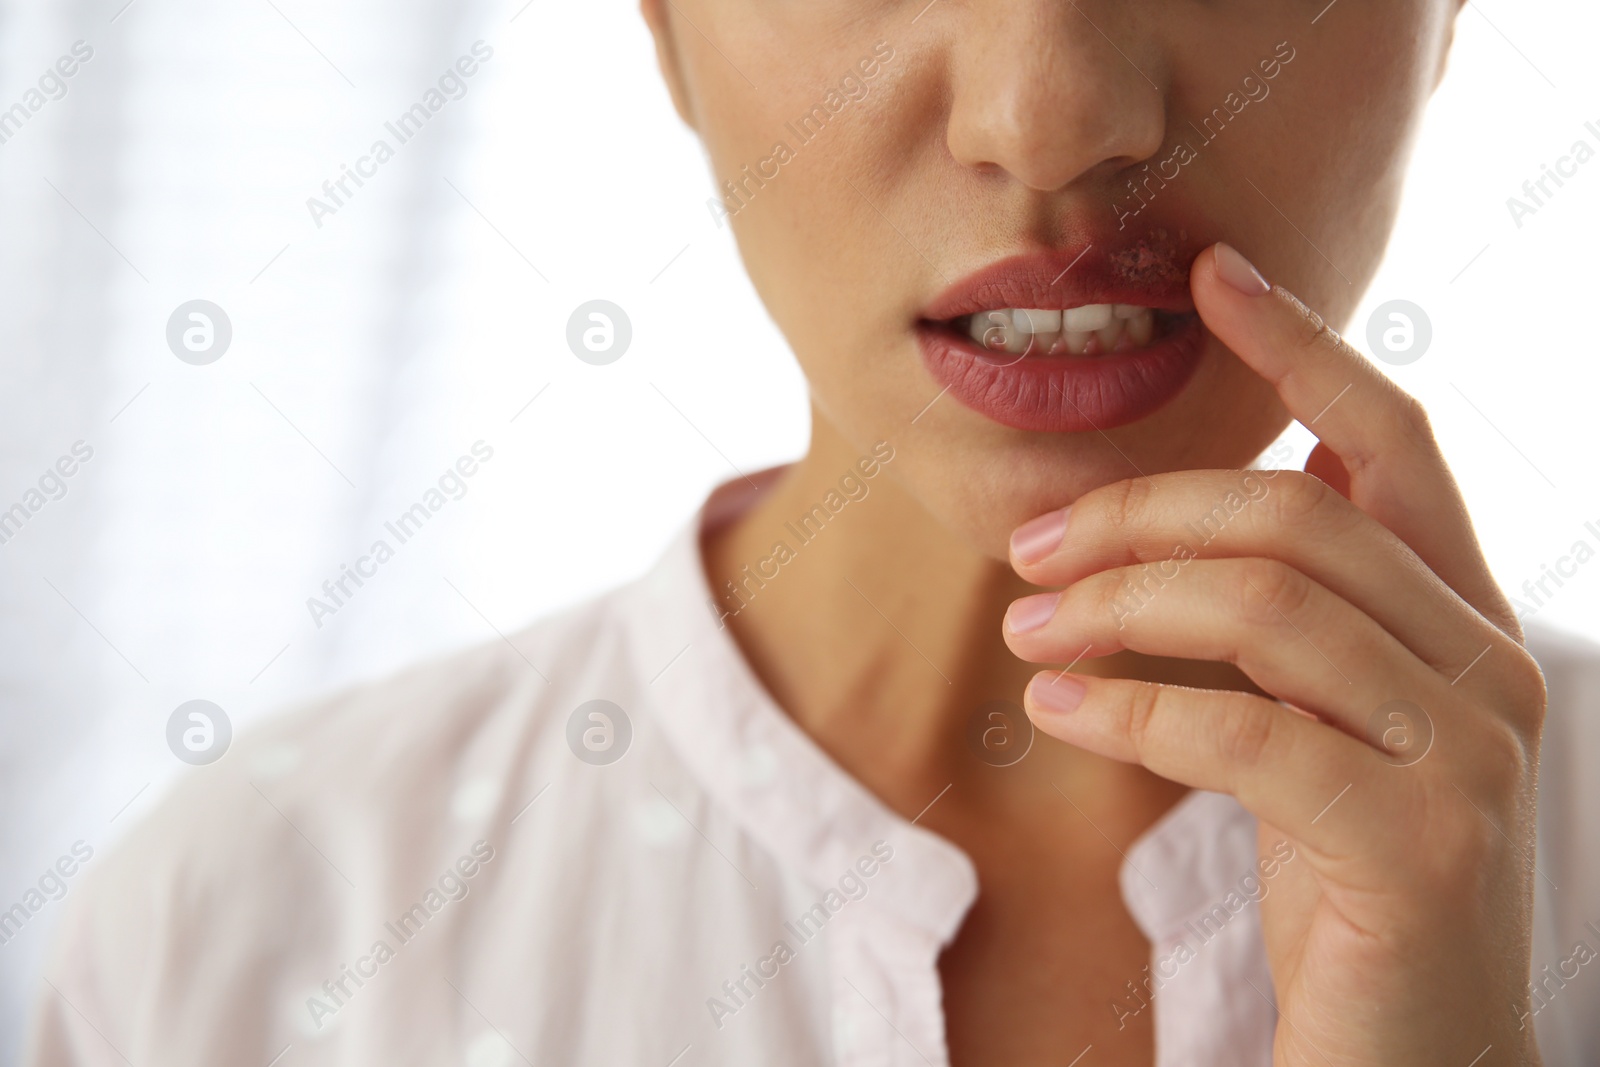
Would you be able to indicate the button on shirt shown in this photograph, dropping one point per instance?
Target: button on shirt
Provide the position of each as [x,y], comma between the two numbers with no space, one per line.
[602,842]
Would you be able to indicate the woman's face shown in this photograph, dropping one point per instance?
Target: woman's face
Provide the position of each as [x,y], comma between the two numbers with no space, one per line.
[903,177]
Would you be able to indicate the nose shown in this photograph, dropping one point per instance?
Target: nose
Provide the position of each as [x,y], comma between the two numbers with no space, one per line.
[1049,91]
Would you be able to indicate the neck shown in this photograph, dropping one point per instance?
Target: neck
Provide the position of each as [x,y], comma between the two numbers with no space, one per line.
[881,624]
[878,631]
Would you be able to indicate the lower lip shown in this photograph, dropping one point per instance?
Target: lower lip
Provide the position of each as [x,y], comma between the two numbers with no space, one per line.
[1058,394]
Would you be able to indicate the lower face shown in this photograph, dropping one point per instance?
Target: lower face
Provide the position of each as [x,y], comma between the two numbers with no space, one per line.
[975,224]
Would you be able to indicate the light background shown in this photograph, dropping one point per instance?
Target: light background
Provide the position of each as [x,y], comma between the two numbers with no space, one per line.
[428,312]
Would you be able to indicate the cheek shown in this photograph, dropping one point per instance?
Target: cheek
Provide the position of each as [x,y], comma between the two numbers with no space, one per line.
[1325,154]
[813,215]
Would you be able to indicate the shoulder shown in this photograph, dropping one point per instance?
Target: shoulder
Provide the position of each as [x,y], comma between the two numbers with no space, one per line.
[366,754]
[397,755]
[315,817]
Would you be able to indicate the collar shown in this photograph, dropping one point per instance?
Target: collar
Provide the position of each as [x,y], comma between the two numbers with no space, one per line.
[796,802]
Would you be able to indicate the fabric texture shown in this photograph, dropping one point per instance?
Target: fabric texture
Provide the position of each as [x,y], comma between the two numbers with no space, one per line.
[444,867]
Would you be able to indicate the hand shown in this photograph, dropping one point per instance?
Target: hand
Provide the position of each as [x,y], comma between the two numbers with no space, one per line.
[1401,934]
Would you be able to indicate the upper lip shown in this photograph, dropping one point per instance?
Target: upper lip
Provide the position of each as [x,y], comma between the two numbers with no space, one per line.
[1154,276]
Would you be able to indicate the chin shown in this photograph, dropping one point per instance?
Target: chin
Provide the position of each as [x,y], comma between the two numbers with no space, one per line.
[981,480]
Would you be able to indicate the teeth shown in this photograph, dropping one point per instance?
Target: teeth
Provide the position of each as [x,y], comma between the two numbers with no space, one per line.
[1018,342]
[997,331]
[1077,341]
[1141,328]
[1039,326]
[987,326]
[1087,317]
[1092,329]
[1037,321]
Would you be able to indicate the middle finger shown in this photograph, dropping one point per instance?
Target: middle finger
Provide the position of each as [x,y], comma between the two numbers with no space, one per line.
[1291,636]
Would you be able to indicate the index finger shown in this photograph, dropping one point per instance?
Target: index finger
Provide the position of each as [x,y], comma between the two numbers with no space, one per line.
[1379,432]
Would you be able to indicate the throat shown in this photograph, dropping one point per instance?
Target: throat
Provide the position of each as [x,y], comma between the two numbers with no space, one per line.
[878,631]
[871,625]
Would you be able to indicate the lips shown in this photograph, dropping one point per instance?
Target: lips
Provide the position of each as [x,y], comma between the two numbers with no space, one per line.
[1068,341]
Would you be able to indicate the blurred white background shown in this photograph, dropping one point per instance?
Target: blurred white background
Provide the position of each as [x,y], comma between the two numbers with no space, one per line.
[426,314]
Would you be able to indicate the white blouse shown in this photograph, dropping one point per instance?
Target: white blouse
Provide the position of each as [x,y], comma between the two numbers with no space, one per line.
[602,842]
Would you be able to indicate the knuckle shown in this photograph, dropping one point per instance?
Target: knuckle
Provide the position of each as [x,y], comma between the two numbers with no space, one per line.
[1512,687]
[1520,702]
[1304,500]
[1127,503]
[1130,588]
[1245,735]
[1411,420]
[1271,594]
[1144,702]
[1530,694]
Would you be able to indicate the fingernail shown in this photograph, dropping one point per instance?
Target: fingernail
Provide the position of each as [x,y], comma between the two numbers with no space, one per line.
[1031,612]
[1239,272]
[1037,538]
[1058,695]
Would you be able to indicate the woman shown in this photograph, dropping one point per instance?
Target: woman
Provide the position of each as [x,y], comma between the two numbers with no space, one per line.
[778,802]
